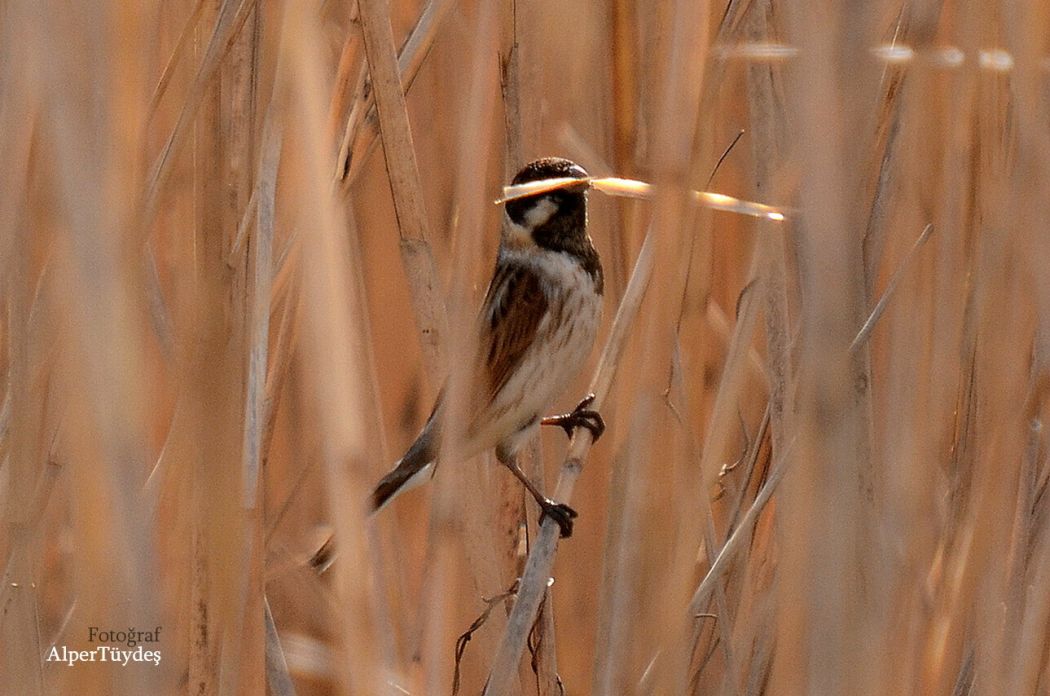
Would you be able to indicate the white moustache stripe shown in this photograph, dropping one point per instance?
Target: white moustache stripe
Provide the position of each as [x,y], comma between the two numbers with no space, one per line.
[540,213]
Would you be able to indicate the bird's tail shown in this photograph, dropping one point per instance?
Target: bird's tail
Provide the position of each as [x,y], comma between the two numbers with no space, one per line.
[411,470]
[398,481]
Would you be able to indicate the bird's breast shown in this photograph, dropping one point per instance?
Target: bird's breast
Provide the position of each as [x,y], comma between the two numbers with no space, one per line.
[566,335]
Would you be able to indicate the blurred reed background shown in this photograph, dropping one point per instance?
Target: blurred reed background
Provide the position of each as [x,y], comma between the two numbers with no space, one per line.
[227,308]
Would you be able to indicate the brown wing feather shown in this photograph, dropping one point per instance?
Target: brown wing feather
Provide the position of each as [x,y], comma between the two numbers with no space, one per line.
[514,306]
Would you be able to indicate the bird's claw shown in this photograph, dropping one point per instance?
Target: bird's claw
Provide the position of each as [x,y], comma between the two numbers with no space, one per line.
[560,513]
[580,417]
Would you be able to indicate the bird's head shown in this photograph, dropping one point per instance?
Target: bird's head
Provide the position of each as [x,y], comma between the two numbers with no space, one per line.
[555,219]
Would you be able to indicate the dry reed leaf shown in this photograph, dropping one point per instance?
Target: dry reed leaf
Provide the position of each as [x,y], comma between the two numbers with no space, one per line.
[632,188]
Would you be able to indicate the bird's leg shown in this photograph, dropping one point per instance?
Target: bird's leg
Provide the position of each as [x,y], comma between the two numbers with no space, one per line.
[580,417]
[559,512]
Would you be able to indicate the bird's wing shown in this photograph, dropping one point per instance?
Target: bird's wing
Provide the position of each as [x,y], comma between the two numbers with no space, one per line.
[514,307]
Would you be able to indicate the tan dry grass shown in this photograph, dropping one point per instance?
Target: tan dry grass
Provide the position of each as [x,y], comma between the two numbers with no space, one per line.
[225,312]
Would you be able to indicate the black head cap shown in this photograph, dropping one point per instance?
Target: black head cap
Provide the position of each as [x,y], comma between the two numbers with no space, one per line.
[549,168]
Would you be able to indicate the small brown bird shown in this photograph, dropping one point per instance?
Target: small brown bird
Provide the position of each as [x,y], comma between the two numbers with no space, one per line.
[535,329]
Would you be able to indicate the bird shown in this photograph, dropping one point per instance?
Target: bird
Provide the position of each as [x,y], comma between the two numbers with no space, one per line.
[536,326]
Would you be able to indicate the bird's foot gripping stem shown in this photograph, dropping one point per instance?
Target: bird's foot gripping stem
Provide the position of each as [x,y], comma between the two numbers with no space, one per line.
[560,513]
[579,417]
